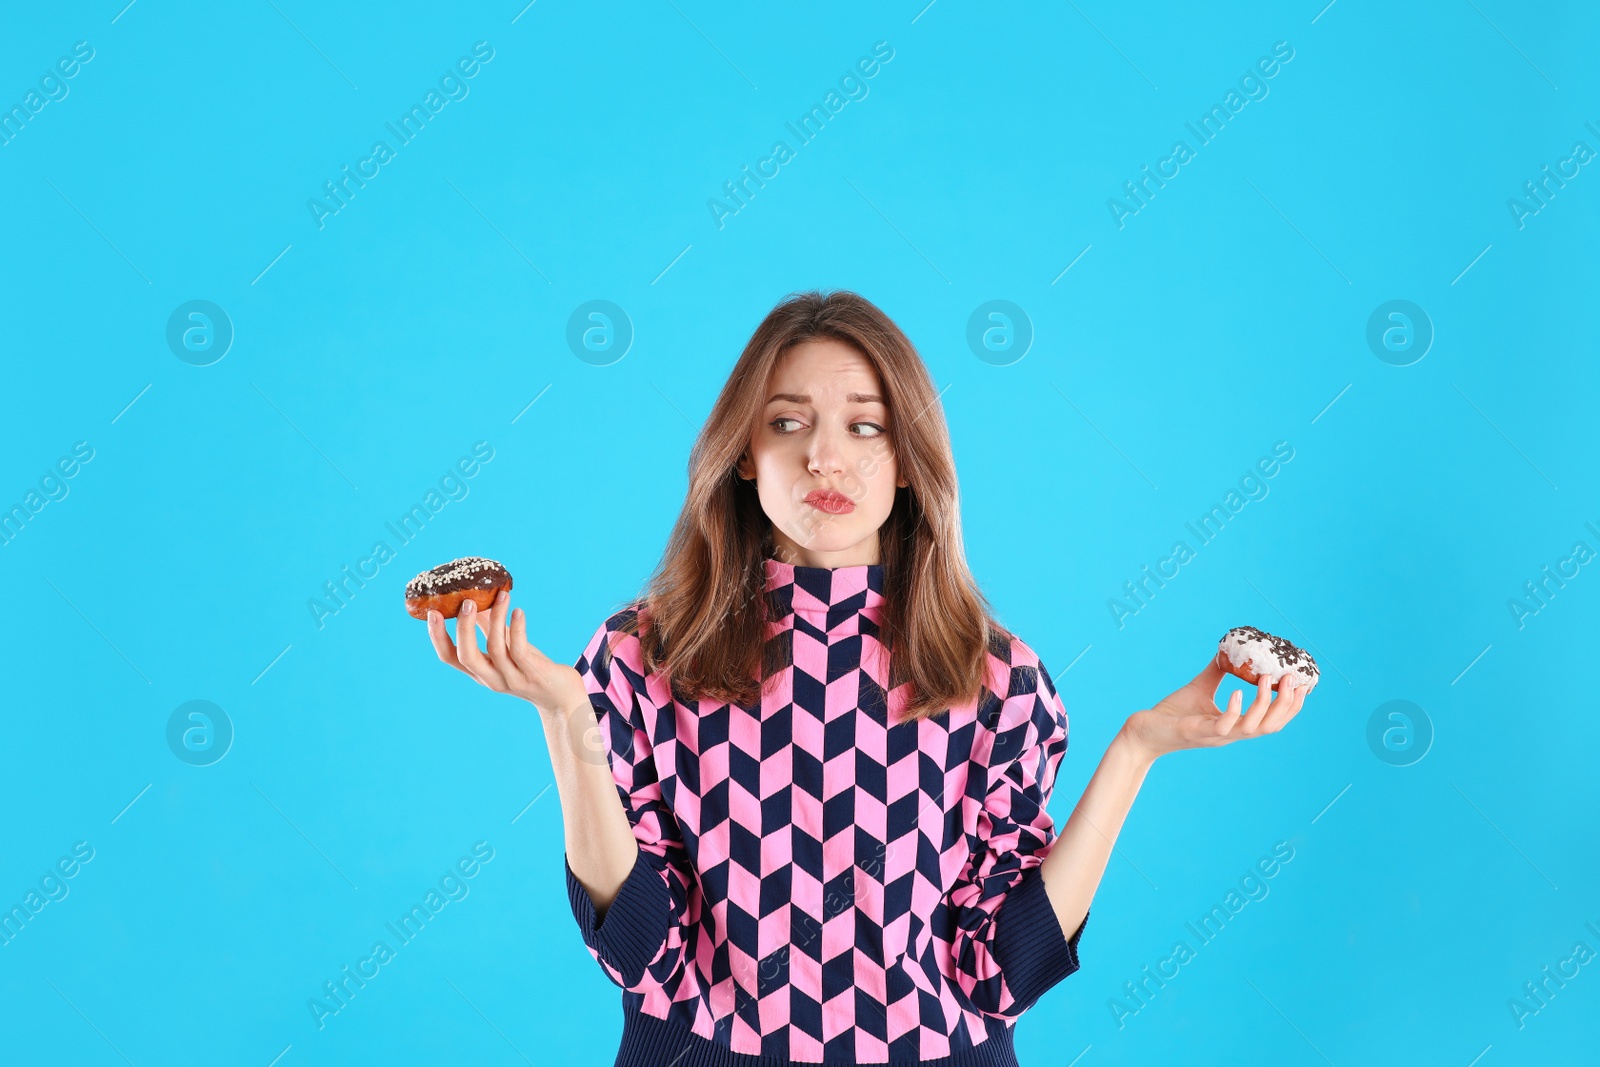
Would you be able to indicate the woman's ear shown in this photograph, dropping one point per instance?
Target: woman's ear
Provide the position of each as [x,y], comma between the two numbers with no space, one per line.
[742,467]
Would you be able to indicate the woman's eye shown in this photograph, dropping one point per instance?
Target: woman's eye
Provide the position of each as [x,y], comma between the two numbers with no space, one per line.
[863,429]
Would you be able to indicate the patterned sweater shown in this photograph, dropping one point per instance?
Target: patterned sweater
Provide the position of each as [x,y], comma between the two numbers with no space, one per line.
[814,885]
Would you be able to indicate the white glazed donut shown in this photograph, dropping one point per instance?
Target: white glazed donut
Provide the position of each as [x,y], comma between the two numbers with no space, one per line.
[1251,654]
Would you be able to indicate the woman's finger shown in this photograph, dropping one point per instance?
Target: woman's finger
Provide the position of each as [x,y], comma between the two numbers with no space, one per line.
[496,634]
[1224,723]
[1216,730]
[493,626]
[441,641]
[1258,707]
[467,648]
[1282,708]
[1299,702]
[1210,680]
[525,656]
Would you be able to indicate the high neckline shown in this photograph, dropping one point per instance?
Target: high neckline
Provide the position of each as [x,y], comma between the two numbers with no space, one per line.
[826,589]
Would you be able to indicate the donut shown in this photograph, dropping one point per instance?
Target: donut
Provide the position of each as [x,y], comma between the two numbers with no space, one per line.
[448,585]
[1252,654]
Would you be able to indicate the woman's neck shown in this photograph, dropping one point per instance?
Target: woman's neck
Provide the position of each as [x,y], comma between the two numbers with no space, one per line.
[787,550]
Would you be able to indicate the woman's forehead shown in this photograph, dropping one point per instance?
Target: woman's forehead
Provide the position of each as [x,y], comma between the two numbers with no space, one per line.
[825,369]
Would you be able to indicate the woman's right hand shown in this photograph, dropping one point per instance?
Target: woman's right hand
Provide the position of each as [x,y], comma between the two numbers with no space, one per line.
[511,664]
[600,842]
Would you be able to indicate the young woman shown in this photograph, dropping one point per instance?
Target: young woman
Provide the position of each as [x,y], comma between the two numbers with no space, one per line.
[804,776]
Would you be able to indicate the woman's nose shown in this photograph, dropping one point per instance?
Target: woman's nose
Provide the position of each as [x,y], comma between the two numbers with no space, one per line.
[826,456]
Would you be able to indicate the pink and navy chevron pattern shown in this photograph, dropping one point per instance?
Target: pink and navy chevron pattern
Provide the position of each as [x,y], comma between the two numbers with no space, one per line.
[815,885]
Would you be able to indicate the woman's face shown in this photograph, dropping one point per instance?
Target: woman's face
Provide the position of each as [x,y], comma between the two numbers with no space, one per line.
[820,456]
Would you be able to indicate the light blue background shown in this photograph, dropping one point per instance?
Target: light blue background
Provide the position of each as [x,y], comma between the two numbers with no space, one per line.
[429,312]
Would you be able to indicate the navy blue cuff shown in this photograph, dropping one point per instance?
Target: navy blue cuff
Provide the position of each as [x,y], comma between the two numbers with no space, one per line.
[1033,952]
[634,927]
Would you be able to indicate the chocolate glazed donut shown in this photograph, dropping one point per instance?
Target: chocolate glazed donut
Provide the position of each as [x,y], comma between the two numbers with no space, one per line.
[448,585]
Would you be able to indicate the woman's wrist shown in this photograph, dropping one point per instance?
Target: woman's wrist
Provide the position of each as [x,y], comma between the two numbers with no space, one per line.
[572,730]
[1127,741]
[561,704]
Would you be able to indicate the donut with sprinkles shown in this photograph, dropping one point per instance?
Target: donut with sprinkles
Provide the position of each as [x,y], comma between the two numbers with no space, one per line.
[446,587]
[1252,654]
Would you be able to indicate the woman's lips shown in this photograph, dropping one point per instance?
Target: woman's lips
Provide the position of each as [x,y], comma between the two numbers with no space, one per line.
[832,503]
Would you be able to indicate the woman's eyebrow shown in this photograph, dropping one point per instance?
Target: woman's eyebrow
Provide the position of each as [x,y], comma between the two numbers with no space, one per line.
[805,398]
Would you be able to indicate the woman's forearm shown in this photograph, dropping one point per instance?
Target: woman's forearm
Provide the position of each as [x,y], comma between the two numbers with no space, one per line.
[600,845]
[1077,860]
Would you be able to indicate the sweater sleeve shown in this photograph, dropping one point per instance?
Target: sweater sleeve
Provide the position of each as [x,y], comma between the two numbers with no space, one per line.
[639,938]
[1009,947]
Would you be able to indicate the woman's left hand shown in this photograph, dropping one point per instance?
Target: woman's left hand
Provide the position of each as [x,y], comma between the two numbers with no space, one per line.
[1189,717]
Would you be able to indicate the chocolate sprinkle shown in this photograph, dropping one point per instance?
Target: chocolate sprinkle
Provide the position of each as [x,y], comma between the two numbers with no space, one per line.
[1289,657]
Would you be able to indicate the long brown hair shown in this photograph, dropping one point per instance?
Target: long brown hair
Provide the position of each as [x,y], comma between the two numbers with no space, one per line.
[703,606]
